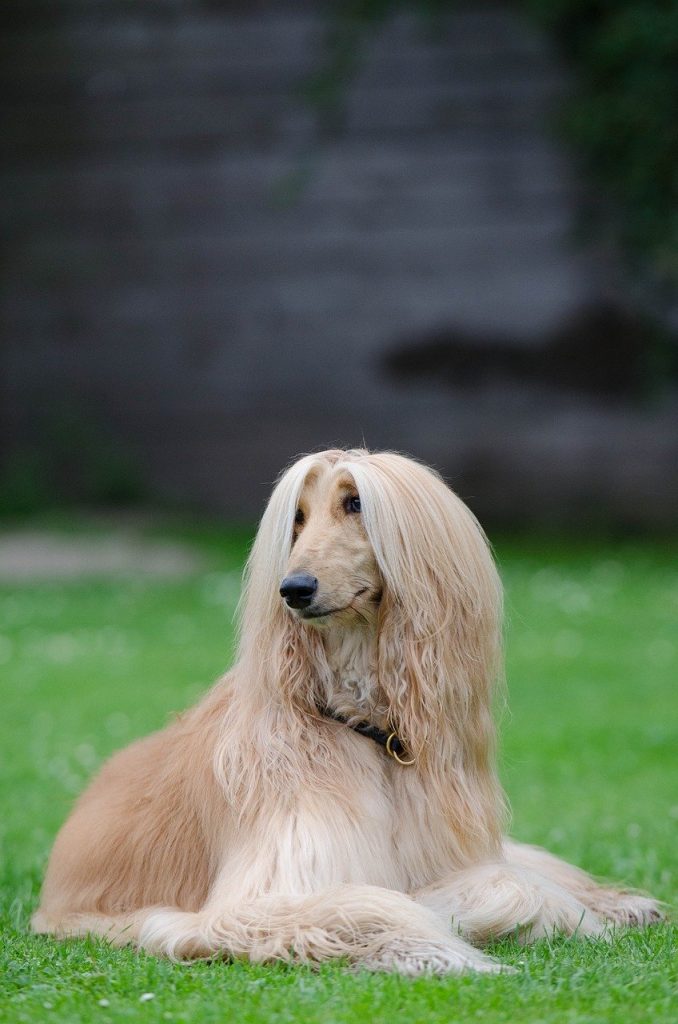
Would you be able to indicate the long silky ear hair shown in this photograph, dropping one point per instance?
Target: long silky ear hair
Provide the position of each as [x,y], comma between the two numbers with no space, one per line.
[439,636]
[275,651]
[281,655]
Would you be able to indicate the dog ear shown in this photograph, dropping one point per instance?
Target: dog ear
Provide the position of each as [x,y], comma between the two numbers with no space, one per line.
[437,666]
[437,672]
[439,636]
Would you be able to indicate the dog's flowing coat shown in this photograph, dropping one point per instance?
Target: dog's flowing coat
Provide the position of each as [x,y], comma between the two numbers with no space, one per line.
[256,826]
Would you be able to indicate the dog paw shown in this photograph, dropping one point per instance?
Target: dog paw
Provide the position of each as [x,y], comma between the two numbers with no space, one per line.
[175,934]
[629,910]
[570,919]
[414,959]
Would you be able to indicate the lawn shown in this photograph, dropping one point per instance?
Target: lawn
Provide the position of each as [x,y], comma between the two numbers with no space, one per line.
[588,759]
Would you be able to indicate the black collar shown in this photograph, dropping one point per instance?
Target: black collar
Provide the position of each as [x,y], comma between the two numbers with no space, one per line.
[389,740]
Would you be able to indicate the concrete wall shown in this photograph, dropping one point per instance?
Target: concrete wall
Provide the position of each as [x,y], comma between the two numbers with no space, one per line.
[196,268]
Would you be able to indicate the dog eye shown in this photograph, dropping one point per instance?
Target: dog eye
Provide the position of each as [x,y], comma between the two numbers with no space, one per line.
[299,517]
[352,504]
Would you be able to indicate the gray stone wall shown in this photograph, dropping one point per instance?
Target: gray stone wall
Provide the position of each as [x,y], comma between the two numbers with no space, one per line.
[192,266]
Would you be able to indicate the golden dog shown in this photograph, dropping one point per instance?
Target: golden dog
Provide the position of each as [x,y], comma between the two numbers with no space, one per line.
[335,794]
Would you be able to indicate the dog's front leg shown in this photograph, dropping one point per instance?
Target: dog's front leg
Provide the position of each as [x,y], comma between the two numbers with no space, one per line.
[496,899]
[620,907]
[375,929]
[299,890]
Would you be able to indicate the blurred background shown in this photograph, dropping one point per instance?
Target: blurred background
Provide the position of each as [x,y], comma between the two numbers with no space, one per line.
[236,232]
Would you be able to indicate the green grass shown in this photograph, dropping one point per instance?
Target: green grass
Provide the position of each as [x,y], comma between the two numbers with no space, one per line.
[588,758]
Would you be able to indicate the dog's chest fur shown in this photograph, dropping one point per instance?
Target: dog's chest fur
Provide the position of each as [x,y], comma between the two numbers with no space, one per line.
[352,687]
[366,825]
[391,809]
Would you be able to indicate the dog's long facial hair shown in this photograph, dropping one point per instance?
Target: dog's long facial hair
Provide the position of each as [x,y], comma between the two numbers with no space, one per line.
[262,824]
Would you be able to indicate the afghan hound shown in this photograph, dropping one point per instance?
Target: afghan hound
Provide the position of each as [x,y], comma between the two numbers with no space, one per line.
[335,794]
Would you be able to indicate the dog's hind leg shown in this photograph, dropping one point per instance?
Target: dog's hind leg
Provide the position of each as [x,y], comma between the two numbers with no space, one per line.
[617,905]
[497,899]
[375,929]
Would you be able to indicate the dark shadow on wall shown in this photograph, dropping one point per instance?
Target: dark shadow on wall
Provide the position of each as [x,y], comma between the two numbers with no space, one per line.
[602,351]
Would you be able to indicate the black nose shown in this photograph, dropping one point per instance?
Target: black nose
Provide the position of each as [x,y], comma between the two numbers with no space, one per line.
[298,589]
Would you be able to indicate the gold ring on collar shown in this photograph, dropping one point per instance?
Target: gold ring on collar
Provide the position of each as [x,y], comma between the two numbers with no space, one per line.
[391,751]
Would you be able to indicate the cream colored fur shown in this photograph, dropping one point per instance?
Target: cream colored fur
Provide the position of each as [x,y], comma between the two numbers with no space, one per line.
[256,827]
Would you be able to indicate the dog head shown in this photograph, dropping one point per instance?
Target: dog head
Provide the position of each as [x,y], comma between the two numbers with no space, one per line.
[332,576]
[356,538]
